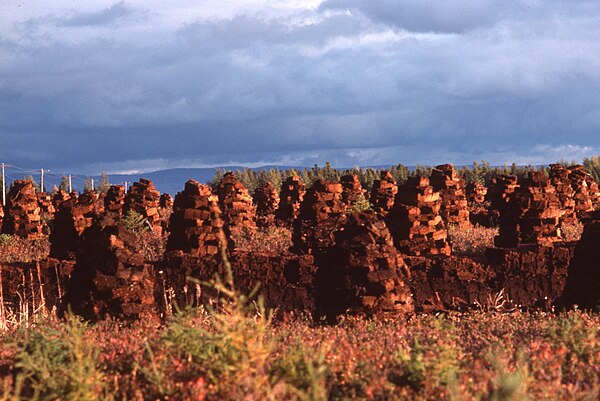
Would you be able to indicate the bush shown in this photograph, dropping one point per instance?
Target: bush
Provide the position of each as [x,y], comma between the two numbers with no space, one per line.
[135,222]
[360,205]
[60,361]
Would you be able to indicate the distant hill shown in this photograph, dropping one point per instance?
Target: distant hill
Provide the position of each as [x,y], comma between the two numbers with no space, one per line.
[172,180]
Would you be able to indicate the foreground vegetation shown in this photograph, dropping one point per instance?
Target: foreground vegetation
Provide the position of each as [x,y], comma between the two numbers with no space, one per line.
[237,353]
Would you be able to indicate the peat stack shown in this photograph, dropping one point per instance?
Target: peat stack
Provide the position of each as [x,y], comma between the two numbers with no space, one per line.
[266,200]
[479,212]
[583,280]
[237,209]
[532,216]
[384,193]
[320,215]
[195,223]
[445,180]
[290,198]
[363,272]
[352,190]
[110,277]
[60,197]
[165,210]
[415,222]
[73,217]
[23,215]
[195,244]
[559,178]
[144,199]
[114,201]
[476,193]
[166,201]
[46,209]
[499,191]
[583,200]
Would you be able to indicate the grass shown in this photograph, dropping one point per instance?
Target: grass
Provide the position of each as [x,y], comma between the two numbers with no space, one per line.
[471,240]
[236,352]
[15,249]
[263,240]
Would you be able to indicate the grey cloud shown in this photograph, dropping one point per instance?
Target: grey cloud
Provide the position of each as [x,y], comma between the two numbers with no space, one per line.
[118,12]
[461,16]
[426,15]
[342,88]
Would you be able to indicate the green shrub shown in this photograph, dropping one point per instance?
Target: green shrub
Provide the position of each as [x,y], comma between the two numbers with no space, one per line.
[60,361]
[134,222]
[6,239]
[360,205]
[305,373]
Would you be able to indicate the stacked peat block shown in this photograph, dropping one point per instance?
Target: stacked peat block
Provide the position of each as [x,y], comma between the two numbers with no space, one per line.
[594,191]
[290,198]
[455,282]
[532,275]
[110,278]
[583,201]
[476,193]
[195,243]
[383,193]
[499,191]
[196,225]
[166,201]
[320,215]
[559,178]
[352,190]
[144,199]
[60,197]
[479,213]
[286,282]
[266,200]
[23,216]
[532,215]
[455,208]
[73,217]
[165,210]
[363,272]
[415,222]
[113,202]
[46,206]
[237,209]
[583,282]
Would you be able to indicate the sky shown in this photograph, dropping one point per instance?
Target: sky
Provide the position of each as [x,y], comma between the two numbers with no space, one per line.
[133,86]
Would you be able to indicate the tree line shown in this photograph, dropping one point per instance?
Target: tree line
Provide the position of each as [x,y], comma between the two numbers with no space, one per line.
[481,172]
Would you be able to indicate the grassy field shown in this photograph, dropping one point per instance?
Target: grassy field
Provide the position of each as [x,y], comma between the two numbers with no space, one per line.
[237,353]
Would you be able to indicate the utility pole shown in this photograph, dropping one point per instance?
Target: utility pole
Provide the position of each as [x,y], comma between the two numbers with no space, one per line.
[125,186]
[3,187]
[92,184]
[70,184]
[42,181]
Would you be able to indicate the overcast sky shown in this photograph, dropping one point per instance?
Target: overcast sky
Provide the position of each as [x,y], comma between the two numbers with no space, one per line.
[139,85]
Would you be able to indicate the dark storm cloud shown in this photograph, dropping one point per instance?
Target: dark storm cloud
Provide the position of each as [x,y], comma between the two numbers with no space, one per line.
[416,83]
